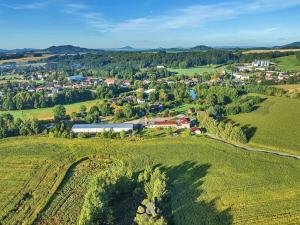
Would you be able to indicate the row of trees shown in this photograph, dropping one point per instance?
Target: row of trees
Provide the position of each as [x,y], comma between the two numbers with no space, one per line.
[226,131]
[25,100]
[10,127]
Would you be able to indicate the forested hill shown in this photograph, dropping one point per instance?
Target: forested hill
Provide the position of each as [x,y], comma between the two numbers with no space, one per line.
[69,49]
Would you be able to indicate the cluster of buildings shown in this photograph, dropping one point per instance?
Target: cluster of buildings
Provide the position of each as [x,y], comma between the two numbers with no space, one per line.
[181,123]
[262,69]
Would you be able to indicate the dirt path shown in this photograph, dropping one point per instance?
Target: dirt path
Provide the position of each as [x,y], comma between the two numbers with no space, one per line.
[246,148]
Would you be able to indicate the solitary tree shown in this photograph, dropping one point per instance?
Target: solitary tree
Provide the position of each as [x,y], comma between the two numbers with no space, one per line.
[59,112]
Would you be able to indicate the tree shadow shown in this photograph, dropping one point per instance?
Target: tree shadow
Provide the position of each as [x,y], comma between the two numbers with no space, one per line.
[184,185]
[249,131]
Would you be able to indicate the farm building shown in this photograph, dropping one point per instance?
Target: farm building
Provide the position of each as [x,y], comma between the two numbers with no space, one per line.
[178,124]
[101,127]
[78,78]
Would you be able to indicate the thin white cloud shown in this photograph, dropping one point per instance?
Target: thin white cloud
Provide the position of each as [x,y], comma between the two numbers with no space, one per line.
[31,5]
[190,17]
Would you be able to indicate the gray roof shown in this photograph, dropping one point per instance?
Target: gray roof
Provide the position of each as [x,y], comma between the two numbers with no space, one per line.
[103,125]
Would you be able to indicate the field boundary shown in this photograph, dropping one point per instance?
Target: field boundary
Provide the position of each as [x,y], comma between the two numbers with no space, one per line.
[246,148]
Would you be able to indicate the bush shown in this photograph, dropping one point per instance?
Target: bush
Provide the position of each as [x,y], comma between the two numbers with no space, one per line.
[82,135]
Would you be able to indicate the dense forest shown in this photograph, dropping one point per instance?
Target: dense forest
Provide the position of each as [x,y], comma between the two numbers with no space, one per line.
[137,60]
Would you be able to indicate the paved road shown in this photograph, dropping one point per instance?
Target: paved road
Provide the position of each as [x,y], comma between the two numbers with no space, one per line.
[246,148]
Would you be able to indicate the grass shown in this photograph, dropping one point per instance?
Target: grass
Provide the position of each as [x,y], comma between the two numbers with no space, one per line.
[47,113]
[184,108]
[288,63]
[209,182]
[275,124]
[199,70]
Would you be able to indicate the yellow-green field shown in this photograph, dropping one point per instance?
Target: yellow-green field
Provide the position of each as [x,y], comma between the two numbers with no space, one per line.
[47,113]
[209,182]
[288,63]
[277,124]
[289,87]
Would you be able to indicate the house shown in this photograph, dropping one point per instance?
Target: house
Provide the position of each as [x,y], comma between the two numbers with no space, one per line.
[178,124]
[110,82]
[75,78]
[141,101]
[156,107]
[101,127]
[241,76]
[149,91]
[196,131]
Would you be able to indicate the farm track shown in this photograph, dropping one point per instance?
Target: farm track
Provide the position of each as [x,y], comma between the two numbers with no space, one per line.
[246,148]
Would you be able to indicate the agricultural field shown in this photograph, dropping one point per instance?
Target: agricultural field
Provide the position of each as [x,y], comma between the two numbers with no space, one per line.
[269,51]
[47,113]
[288,63]
[25,59]
[209,182]
[199,70]
[274,125]
[291,88]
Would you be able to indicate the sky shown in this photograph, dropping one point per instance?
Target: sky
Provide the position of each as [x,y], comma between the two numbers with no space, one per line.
[148,23]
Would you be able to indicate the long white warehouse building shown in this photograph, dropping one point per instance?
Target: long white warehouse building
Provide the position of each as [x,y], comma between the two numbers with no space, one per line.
[101,127]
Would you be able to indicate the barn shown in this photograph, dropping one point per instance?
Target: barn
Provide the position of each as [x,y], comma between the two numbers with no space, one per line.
[101,127]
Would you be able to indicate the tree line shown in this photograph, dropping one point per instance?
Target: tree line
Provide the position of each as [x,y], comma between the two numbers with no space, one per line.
[20,100]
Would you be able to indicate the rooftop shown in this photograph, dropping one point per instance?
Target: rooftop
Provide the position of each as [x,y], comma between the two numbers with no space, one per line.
[103,125]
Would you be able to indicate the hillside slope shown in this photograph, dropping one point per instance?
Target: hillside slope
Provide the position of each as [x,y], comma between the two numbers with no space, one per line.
[275,124]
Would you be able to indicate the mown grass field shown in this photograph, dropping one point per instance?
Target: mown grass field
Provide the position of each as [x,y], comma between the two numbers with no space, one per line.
[288,63]
[289,87]
[199,70]
[47,113]
[276,124]
[209,182]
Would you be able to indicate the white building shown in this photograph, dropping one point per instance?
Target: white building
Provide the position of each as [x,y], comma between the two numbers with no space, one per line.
[101,127]
[261,63]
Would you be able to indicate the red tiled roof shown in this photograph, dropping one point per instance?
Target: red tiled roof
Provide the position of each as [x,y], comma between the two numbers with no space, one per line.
[165,123]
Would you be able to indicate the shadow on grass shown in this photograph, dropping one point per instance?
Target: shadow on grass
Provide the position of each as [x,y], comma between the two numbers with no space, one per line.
[249,131]
[185,181]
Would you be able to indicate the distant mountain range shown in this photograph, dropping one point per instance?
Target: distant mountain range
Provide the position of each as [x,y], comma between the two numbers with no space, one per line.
[16,50]
[70,49]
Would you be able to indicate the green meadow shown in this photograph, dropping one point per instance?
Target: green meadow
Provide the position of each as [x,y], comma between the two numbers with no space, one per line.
[288,63]
[198,70]
[275,124]
[47,113]
[210,182]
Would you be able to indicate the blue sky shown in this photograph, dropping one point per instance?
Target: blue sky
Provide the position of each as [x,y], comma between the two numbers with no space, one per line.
[148,23]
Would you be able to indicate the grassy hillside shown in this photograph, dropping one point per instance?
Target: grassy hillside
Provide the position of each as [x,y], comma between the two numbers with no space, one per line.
[276,124]
[288,63]
[47,113]
[200,70]
[209,182]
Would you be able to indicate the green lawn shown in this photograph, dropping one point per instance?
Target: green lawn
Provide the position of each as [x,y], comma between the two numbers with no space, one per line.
[288,63]
[199,70]
[209,182]
[47,113]
[184,108]
[277,124]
